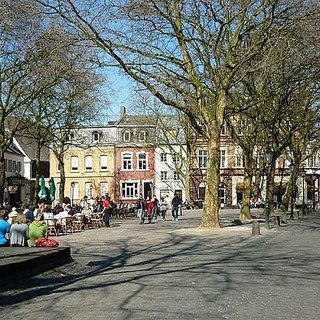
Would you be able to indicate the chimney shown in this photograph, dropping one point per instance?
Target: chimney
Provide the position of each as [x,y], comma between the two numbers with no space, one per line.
[122,111]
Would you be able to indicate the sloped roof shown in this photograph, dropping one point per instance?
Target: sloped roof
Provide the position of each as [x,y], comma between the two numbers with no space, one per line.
[30,147]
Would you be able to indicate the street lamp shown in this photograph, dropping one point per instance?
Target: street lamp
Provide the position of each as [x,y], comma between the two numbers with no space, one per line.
[314,178]
[72,192]
[291,167]
[303,175]
[267,160]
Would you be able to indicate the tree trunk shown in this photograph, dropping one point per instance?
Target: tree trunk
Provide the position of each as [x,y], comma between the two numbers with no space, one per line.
[2,178]
[245,207]
[62,181]
[210,217]
[37,182]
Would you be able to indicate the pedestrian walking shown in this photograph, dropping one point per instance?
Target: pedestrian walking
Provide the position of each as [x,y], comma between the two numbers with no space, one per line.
[149,207]
[141,207]
[107,211]
[163,208]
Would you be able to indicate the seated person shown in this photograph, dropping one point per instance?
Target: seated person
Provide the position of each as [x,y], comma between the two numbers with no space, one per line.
[4,230]
[19,232]
[61,216]
[37,229]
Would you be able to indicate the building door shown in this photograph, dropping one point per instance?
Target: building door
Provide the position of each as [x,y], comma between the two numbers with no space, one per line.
[147,190]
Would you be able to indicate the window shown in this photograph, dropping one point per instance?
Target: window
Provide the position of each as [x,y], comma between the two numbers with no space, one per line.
[312,161]
[142,161]
[104,188]
[127,161]
[89,189]
[126,136]
[224,128]
[129,190]
[71,136]
[103,162]
[176,176]
[10,165]
[96,136]
[203,158]
[238,157]
[74,163]
[164,175]
[163,157]
[175,158]
[142,136]
[223,158]
[19,166]
[88,162]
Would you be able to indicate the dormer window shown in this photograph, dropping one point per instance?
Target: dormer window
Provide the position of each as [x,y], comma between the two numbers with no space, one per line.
[96,136]
[71,136]
[126,136]
[142,136]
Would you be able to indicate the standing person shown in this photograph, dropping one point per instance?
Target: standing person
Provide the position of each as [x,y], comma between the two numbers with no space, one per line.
[176,202]
[149,207]
[163,208]
[4,230]
[37,229]
[19,232]
[155,209]
[107,210]
[141,207]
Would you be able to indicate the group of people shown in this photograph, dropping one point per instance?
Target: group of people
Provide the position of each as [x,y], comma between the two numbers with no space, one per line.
[22,229]
[150,208]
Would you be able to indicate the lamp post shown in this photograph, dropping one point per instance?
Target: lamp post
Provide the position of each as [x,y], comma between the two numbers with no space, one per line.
[72,192]
[91,188]
[303,174]
[291,167]
[267,160]
[314,178]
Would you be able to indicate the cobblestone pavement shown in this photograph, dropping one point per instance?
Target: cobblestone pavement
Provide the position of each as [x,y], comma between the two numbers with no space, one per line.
[174,270]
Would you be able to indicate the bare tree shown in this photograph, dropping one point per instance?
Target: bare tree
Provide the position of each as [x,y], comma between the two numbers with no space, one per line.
[22,65]
[192,50]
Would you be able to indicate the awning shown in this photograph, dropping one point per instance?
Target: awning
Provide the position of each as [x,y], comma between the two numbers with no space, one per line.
[16,181]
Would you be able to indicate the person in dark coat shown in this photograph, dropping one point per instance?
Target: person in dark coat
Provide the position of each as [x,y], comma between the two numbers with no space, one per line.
[141,207]
[175,203]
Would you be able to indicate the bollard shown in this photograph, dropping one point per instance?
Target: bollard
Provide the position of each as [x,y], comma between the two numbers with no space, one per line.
[255,228]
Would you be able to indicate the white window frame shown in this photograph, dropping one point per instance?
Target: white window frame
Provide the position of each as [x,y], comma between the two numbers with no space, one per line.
[74,163]
[89,189]
[129,189]
[103,162]
[238,161]
[104,188]
[223,158]
[96,136]
[203,158]
[88,163]
[142,136]
[164,175]
[142,162]
[163,157]
[126,136]
[126,163]
[176,176]
[175,158]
